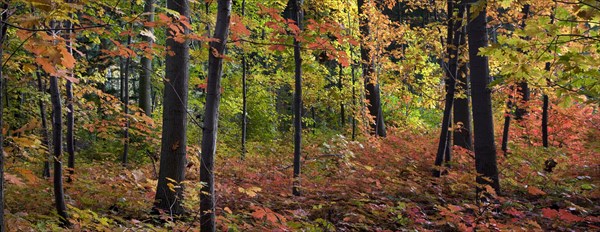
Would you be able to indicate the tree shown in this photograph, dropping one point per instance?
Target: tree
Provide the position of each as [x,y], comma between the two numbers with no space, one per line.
[244,93]
[174,140]
[45,139]
[59,195]
[483,122]
[69,101]
[462,113]
[211,115]
[452,42]
[521,98]
[523,87]
[297,17]
[145,99]
[372,93]
[3,28]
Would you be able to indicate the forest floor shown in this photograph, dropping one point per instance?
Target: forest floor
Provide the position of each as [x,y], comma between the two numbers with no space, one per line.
[377,184]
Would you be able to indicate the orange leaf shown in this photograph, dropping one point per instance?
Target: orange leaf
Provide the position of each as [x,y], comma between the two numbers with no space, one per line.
[535,191]
[10,178]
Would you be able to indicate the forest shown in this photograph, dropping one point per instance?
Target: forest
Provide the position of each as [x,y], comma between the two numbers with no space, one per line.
[300,115]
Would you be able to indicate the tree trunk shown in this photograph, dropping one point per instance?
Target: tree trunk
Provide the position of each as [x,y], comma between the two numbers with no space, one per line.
[506,125]
[126,106]
[297,17]
[353,94]
[452,41]
[45,140]
[244,93]
[340,87]
[485,149]
[462,113]
[145,100]
[59,195]
[372,92]
[2,39]
[70,115]
[545,96]
[545,121]
[174,140]
[211,116]
[521,99]
[523,87]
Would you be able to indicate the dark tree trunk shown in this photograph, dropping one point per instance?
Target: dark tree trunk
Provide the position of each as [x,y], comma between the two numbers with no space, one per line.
[174,140]
[126,97]
[59,195]
[297,17]
[452,41]
[372,92]
[353,94]
[211,116]
[340,87]
[545,121]
[506,125]
[485,149]
[462,112]
[145,99]
[126,106]
[545,97]
[70,114]
[523,87]
[45,140]
[2,39]
[521,99]
[244,93]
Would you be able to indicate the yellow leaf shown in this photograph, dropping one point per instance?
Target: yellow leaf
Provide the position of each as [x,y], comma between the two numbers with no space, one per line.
[226,209]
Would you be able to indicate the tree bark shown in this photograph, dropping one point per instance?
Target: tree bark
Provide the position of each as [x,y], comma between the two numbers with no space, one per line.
[145,99]
[297,17]
[452,42]
[3,28]
[70,115]
[545,121]
[340,87]
[244,93]
[126,106]
[372,92]
[45,140]
[173,144]
[485,149]
[462,112]
[59,195]
[211,117]
[523,87]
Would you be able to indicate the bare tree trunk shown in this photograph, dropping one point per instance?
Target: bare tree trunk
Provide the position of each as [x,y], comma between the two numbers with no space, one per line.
[2,39]
[485,148]
[59,195]
[211,116]
[462,112]
[174,141]
[297,17]
[545,121]
[452,41]
[353,95]
[244,93]
[145,100]
[70,115]
[340,87]
[372,92]
[523,87]
[45,140]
